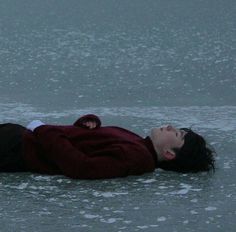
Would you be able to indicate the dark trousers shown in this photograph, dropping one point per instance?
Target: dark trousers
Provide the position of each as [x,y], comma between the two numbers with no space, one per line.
[11,156]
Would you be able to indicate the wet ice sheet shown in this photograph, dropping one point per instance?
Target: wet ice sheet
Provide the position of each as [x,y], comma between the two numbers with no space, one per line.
[58,58]
[221,118]
[160,200]
[175,53]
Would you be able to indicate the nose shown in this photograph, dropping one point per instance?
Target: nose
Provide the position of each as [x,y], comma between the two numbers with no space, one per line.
[170,128]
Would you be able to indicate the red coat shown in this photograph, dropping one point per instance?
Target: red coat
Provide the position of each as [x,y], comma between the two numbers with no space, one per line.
[77,152]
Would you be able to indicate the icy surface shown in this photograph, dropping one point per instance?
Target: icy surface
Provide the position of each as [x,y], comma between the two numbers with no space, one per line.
[137,64]
[147,202]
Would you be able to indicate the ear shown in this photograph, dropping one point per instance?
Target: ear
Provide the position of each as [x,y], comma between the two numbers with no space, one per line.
[169,154]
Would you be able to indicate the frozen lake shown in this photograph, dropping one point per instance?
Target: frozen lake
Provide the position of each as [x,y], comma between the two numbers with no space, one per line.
[136,64]
[162,200]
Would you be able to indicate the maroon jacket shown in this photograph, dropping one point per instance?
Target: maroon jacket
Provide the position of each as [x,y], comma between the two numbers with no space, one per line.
[79,152]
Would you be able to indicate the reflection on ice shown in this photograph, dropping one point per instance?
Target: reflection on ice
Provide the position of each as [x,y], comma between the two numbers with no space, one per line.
[216,118]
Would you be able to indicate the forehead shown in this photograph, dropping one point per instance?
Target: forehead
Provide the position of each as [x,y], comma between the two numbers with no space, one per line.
[179,139]
[183,133]
[176,140]
[190,138]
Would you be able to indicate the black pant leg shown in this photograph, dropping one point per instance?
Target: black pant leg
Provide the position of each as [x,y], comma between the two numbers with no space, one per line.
[11,157]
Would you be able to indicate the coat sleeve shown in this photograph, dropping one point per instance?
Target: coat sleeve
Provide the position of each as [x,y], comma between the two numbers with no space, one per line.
[87,118]
[74,163]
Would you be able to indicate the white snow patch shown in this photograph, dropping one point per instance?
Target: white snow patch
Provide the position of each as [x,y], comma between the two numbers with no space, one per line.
[91,216]
[210,208]
[109,220]
[22,186]
[161,219]
[108,194]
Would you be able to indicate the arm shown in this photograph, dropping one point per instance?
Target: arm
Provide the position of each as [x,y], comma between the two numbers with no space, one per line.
[74,163]
[90,121]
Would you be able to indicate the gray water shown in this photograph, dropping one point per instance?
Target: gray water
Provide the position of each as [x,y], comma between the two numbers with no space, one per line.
[136,64]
